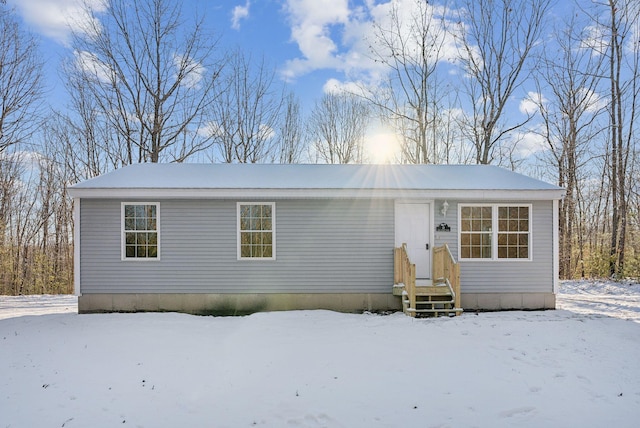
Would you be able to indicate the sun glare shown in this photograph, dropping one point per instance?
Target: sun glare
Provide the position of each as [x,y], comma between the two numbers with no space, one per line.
[382,146]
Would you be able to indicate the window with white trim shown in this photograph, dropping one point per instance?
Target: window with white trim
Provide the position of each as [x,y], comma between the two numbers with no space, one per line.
[513,232]
[140,230]
[476,235]
[495,232]
[256,230]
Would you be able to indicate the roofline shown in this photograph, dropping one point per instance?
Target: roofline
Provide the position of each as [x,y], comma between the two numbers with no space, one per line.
[157,193]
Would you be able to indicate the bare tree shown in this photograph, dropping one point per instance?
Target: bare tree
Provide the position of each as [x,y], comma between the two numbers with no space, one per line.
[151,75]
[571,75]
[52,249]
[10,175]
[496,40]
[337,126]
[84,139]
[409,43]
[623,55]
[20,81]
[22,228]
[35,247]
[291,131]
[246,116]
[20,93]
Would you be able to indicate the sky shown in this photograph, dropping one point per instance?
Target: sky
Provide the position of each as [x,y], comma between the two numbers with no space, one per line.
[311,43]
[315,46]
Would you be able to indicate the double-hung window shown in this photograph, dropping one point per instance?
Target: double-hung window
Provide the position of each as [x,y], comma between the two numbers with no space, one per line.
[256,230]
[495,232]
[476,234]
[140,231]
[513,232]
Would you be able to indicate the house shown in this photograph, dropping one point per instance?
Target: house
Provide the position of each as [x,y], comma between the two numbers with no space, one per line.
[241,238]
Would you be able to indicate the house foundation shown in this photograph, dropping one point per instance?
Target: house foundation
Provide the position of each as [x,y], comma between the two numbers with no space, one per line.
[236,304]
[507,301]
[242,304]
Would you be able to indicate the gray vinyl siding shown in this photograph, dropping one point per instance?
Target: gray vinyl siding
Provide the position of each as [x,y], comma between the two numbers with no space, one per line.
[322,246]
[500,276]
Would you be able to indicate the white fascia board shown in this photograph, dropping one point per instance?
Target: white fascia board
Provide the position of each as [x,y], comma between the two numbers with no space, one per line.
[156,193]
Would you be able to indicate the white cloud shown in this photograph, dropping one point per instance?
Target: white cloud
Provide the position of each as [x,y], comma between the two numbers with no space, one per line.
[334,86]
[311,23]
[528,143]
[594,38]
[58,18]
[331,35]
[25,157]
[215,130]
[594,102]
[238,14]
[405,19]
[91,65]
[194,71]
[265,132]
[210,129]
[530,105]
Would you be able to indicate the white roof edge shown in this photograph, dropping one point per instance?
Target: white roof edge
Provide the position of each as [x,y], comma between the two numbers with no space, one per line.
[157,193]
[218,178]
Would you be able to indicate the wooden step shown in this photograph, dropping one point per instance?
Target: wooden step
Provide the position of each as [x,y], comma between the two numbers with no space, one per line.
[445,305]
[440,298]
[432,299]
[431,311]
[432,290]
[448,302]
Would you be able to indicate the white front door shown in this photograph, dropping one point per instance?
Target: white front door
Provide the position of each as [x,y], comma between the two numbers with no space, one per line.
[413,228]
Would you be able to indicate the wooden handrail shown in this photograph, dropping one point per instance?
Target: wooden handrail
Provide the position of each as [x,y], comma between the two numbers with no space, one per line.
[404,272]
[446,267]
[446,271]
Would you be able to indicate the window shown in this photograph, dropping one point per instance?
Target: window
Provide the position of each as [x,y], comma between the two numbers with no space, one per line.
[475,236]
[513,232]
[256,230]
[140,230]
[495,232]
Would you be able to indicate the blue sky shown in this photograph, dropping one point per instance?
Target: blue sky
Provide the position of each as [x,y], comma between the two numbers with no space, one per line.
[312,43]
[301,38]
[315,45]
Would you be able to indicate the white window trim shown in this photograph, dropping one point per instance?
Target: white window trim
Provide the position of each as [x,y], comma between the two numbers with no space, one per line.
[123,253]
[494,232]
[273,232]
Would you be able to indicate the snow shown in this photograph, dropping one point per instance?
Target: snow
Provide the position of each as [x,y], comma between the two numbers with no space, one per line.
[11,307]
[602,298]
[577,366]
[316,176]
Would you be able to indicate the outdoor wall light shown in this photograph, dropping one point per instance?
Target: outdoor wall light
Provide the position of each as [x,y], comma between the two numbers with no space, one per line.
[445,207]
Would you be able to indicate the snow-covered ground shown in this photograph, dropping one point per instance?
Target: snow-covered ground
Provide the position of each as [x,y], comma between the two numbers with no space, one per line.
[577,366]
[616,299]
[12,307]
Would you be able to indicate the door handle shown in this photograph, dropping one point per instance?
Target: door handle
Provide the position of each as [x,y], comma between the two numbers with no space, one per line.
[427,246]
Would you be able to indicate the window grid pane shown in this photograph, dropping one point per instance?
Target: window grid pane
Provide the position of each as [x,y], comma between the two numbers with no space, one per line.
[141,231]
[476,235]
[256,231]
[513,232]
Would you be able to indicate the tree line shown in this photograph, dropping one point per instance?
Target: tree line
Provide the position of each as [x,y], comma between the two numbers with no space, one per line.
[148,84]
